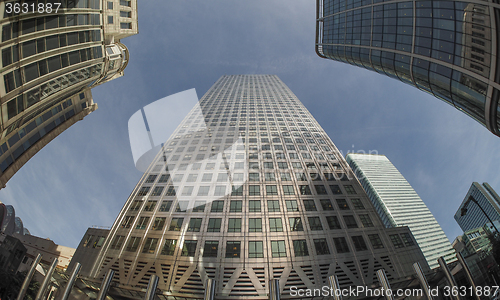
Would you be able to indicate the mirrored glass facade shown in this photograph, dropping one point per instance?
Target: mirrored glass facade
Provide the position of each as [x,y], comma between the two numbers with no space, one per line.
[249,188]
[398,204]
[445,48]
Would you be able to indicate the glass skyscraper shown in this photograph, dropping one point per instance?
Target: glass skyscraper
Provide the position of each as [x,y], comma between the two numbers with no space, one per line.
[52,55]
[398,204]
[448,49]
[250,188]
[489,201]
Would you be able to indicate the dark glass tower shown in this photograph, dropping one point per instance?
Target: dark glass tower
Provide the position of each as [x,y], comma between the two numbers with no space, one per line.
[448,49]
[251,188]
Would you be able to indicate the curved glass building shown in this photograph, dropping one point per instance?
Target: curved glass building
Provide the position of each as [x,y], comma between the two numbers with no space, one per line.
[448,49]
[49,63]
[250,188]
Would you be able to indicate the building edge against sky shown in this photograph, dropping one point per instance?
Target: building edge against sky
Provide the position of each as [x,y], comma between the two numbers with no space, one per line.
[250,188]
[489,201]
[448,49]
[398,204]
[49,63]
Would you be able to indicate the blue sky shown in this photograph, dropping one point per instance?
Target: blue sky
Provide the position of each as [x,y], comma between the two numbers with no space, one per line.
[84,176]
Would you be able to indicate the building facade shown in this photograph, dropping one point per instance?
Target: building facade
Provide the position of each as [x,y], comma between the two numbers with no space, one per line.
[251,188]
[51,57]
[448,49]
[88,250]
[489,201]
[398,204]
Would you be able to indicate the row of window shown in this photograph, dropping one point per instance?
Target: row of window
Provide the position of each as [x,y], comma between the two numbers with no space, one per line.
[42,67]
[16,29]
[252,190]
[255,248]
[254,224]
[253,205]
[16,52]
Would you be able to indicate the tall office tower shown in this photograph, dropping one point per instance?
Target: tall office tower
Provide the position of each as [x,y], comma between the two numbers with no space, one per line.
[251,188]
[398,204]
[51,56]
[445,48]
[488,203]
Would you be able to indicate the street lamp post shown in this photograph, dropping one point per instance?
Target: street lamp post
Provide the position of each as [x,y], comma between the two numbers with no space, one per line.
[464,211]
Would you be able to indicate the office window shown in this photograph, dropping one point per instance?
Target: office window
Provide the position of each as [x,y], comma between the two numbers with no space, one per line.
[268,165]
[269,177]
[278,248]
[375,241]
[366,221]
[164,178]
[341,245]
[159,223]
[253,177]
[320,190]
[301,176]
[336,189]
[300,248]
[288,190]
[350,222]
[217,206]
[305,190]
[170,191]
[176,224]
[127,222]
[282,165]
[309,205]
[169,247]
[150,206]
[255,225]
[214,225]
[233,249]
[222,177]
[333,222]
[291,205]
[296,224]
[117,242]
[237,191]
[286,177]
[199,206]
[357,204]
[210,249]
[349,189]
[273,205]
[396,241]
[194,225]
[151,178]
[143,222]
[275,225]
[359,243]
[234,225]
[181,206]
[408,241]
[321,247]
[255,249]
[166,205]
[235,206]
[110,19]
[133,243]
[254,206]
[254,190]
[326,204]
[220,190]
[150,245]
[315,223]
[207,177]
[271,190]
[342,204]
[189,248]
[143,191]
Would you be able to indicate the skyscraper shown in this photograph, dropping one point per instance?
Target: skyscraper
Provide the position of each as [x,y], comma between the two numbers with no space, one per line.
[52,54]
[398,204]
[445,48]
[250,188]
[489,201]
